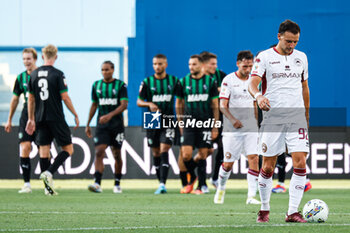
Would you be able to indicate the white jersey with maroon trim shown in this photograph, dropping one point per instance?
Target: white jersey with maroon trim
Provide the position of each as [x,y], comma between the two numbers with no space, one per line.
[282,78]
[240,103]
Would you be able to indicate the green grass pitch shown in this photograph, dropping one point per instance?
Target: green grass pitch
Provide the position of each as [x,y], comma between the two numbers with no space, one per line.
[137,209]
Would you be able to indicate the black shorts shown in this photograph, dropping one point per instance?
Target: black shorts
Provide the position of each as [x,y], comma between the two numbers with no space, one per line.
[157,136]
[22,134]
[46,131]
[198,138]
[109,136]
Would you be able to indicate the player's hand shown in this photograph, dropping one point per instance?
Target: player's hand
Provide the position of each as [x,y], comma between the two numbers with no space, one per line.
[88,131]
[214,133]
[263,102]
[76,119]
[153,107]
[104,119]
[237,124]
[8,127]
[30,128]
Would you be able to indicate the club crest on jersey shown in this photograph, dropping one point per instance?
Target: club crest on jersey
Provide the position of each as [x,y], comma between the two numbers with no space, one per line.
[205,87]
[298,62]
[264,147]
[228,155]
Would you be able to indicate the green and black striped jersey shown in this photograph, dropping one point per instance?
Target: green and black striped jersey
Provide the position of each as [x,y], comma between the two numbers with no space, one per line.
[21,86]
[198,95]
[218,76]
[108,97]
[160,92]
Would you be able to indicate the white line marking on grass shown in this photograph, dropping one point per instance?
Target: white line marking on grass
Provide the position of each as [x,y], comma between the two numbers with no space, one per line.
[173,227]
[142,213]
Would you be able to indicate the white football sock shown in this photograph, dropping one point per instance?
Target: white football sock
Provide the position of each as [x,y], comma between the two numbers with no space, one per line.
[265,187]
[252,178]
[223,176]
[296,189]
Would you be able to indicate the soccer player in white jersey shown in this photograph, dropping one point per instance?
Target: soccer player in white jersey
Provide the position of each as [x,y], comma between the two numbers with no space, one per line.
[240,133]
[285,102]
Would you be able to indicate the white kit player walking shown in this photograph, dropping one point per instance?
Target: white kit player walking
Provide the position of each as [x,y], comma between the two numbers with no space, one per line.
[240,133]
[285,100]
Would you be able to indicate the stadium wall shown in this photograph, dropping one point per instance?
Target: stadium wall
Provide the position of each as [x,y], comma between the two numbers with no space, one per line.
[329,159]
[182,28]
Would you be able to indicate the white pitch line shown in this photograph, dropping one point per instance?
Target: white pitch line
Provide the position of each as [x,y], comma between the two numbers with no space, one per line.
[141,212]
[173,227]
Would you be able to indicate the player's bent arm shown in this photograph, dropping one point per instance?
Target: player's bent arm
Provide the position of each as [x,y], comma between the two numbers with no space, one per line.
[306,97]
[92,112]
[224,109]
[31,106]
[179,106]
[123,105]
[215,107]
[68,102]
[253,85]
[13,106]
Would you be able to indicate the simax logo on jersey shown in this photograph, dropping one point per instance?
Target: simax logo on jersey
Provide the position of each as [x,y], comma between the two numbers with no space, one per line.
[108,101]
[43,73]
[197,97]
[161,98]
[286,75]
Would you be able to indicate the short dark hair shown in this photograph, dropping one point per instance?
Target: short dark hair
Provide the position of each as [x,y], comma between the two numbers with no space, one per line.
[198,57]
[110,63]
[289,26]
[245,54]
[159,55]
[206,56]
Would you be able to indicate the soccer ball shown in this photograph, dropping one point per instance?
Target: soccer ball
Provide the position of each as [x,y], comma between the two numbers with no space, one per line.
[315,211]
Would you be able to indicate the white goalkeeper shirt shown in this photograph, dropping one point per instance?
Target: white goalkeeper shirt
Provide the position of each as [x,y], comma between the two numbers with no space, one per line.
[282,77]
[241,103]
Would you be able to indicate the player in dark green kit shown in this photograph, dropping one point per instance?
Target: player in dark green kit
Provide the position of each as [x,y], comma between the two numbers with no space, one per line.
[29,56]
[210,64]
[47,90]
[197,103]
[109,96]
[157,92]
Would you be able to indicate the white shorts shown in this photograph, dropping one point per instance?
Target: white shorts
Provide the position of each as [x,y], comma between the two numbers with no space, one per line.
[274,139]
[236,144]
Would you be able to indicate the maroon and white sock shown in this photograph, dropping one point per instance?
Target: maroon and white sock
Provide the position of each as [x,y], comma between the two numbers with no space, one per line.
[265,187]
[296,189]
[252,178]
[223,176]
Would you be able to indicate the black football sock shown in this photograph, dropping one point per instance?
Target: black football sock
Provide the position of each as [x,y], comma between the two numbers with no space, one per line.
[156,163]
[25,165]
[164,168]
[44,164]
[218,161]
[117,178]
[59,160]
[281,165]
[202,165]
[183,177]
[97,177]
[191,165]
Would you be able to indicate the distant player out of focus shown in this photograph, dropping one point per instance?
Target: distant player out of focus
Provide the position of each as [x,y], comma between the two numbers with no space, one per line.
[240,133]
[110,97]
[29,57]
